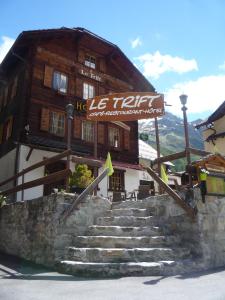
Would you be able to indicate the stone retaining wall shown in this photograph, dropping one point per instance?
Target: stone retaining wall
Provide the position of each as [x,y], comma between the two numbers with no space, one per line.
[32,230]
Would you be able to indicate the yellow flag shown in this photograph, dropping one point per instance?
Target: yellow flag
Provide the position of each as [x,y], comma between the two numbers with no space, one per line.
[108,164]
[163,174]
[216,150]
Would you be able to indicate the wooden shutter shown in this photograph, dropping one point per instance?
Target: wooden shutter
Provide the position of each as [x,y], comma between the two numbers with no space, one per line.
[14,88]
[101,133]
[81,56]
[44,119]
[126,139]
[9,127]
[72,86]
[1,133]
[48,76]
[79,87]
[77,127]
[101,90]
[102,66]
[1,98]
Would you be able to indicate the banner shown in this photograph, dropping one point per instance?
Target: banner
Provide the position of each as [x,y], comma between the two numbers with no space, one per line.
[125,106]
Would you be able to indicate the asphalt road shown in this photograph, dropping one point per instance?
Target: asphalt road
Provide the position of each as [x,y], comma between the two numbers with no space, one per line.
[20,280]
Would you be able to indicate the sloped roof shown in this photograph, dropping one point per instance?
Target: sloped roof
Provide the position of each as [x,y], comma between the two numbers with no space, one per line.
[29,37]
[148,152]
[218,113]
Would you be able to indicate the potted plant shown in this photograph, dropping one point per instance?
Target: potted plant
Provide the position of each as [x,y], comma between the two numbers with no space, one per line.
[2,200]
[80,178]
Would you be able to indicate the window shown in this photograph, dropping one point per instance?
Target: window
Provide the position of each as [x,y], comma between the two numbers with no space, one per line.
[90,61]
[60,82]
[88,91]
[57,123]
[88,131]
[116,181]
[114,137]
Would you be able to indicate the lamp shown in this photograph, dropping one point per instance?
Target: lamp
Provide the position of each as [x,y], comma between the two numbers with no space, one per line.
[70,111]
[183,100]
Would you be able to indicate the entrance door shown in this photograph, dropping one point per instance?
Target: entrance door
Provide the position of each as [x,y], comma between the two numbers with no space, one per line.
[52,168]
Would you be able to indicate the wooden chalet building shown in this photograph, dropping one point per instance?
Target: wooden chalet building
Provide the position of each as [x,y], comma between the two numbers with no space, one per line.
[43,72]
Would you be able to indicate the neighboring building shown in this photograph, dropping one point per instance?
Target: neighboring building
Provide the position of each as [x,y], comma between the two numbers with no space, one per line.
[214,132]
[43,72]
[147,155]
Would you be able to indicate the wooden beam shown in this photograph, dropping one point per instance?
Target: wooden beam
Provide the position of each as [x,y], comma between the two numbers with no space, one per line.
[170,157]
[29,153]
[88,161]
[199,152]
[189,210]
[37,165]
[43,180]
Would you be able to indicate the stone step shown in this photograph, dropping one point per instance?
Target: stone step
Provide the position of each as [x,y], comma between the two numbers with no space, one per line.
[128,221]
[88,269]
[139,204]
[125,242]
[157,203]
[125,254]
[136,212]
[124,230]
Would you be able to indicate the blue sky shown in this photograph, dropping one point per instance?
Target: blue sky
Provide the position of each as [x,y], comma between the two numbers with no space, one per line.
[177,44]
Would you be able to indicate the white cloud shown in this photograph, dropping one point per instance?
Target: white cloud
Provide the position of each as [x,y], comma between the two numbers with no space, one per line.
[156,64]
[204,94]
[135,43]
[5,45]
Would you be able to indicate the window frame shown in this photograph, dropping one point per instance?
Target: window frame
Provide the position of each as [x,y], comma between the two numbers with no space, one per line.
[117,181]
[84,133]
[59,122]
[54,85]
[90,61]
[86,91]
[113,144]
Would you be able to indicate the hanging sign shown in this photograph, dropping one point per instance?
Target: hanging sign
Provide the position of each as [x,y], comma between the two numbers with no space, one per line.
[125,106]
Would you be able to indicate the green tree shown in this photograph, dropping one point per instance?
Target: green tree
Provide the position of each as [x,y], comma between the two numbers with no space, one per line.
[81,177]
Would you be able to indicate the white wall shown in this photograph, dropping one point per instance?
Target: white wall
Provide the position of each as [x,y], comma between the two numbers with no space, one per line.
[7,168]
[36,156]
[131,180]
[131,176]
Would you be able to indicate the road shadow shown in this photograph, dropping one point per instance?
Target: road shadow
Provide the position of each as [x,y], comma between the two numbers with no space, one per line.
[200,273]
[186,276]
[154,281]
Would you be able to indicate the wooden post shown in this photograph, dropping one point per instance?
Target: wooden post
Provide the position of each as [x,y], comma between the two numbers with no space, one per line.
[22,197]
[68,148]
[158,151]
[69,116]
[95,151]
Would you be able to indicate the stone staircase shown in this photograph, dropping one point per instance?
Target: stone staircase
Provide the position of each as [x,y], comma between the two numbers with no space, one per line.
[130,239]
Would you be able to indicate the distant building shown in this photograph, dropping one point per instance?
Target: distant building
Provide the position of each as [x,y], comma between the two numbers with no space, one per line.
[147,154]
[214,132]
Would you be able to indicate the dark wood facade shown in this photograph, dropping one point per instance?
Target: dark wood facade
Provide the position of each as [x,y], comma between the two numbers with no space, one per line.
[76,57]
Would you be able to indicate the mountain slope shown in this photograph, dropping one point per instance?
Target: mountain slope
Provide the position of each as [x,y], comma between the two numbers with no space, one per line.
[171,132]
